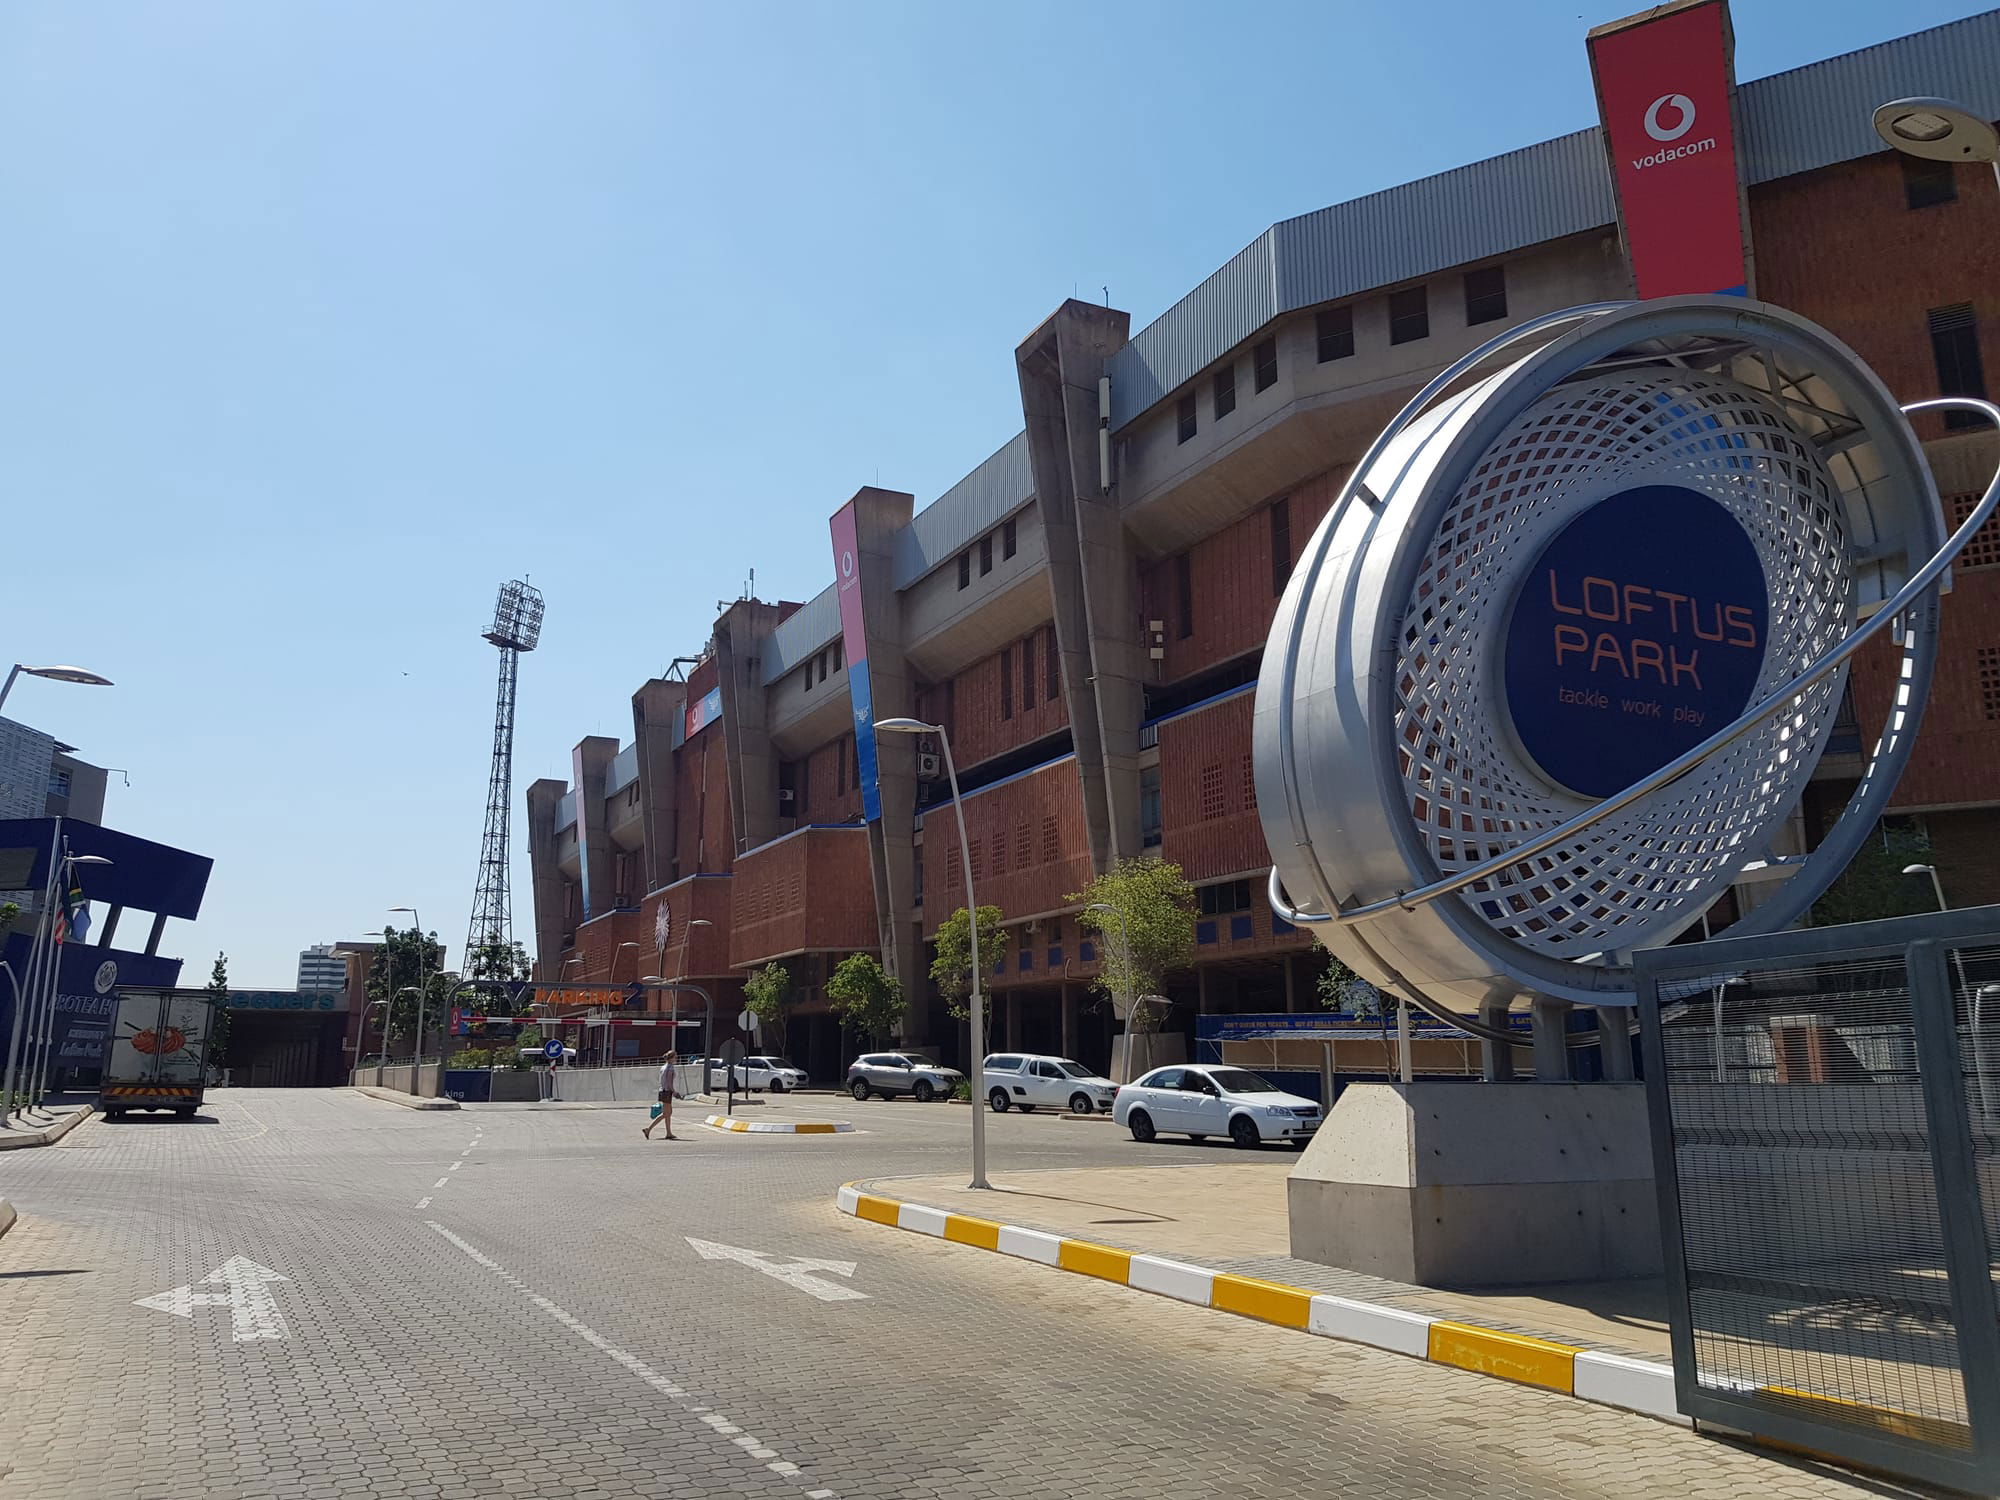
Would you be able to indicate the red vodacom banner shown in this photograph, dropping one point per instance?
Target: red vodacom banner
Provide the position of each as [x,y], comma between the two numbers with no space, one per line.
[1663,93]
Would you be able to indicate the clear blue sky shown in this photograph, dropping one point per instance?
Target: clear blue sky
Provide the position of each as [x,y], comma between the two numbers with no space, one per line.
[324,318]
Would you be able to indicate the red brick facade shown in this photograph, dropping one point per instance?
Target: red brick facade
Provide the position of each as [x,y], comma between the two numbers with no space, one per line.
[986,719]
[809,890]
[1029,848]
[1208,796]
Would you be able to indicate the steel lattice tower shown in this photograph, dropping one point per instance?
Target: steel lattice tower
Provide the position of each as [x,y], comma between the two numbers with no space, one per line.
[517,627]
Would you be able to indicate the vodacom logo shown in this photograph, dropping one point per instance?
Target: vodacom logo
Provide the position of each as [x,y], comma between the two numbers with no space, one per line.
[1683,108]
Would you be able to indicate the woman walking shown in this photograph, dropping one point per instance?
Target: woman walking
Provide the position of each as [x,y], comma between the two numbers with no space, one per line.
[666,1115]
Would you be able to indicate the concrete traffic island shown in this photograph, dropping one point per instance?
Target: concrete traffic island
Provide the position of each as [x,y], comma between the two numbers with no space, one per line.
[17,1138]
[777,1127]
[1202,1228]
[408,1101]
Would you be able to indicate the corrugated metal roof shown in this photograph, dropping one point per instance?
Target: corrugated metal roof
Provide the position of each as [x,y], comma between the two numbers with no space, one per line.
[1796,121]
[801,633]
[1819,114]
[977,503]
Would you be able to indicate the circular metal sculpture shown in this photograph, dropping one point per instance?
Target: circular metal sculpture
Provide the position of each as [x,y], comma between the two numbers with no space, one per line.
[1557,665]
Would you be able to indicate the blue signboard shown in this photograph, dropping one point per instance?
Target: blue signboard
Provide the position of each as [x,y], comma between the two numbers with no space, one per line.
[1638,633]
[552,1049]
[284,1000]
[87,981]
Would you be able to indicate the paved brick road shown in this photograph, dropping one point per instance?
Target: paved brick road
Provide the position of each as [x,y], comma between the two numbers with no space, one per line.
[540,1326]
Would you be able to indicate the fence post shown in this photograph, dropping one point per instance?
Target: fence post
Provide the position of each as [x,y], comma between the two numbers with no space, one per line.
[1961,1210]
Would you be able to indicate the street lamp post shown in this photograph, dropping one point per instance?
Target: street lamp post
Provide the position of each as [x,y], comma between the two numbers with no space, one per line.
[1938,130]
[43,1029]
[1937,885]
[423,956]
[972,1070]
[54,674]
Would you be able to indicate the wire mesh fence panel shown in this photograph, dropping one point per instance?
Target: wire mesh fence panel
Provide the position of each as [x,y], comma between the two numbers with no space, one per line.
[1813,1097]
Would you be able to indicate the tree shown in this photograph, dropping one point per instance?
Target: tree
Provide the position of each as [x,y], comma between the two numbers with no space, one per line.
[1148,932]
[1340,988]
[951,970]
[865,997]
[10,913]
[498,961]
[219,1014]
[403,961]
[1873,885]
[767,995]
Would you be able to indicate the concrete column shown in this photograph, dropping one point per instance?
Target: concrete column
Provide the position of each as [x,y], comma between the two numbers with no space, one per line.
[1551,1030]
[1093,575]
[741,636]
[545,879]
[656,708]
[588,764]
[1615,1042]
[1496,1059]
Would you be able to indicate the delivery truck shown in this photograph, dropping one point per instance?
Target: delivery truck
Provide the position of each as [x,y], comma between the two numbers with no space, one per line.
[158,1056]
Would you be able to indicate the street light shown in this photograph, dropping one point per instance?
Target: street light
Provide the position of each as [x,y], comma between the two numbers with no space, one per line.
[39,1007]
[708,1024]
[1937,886]
[423,954]
[972,1071]
[54,674]
[1937,130]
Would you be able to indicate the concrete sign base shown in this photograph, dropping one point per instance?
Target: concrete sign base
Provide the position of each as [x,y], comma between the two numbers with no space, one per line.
[1447,1184]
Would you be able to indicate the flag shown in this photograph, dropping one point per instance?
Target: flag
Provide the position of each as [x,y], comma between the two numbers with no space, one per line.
[73,917]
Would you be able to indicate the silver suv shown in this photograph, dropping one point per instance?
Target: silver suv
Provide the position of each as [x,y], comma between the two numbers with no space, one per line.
[900,1073]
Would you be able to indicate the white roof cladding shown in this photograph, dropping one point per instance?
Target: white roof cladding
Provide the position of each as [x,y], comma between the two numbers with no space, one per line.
[1791,122]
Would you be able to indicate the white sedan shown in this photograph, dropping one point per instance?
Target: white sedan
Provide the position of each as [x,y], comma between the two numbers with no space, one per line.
[772,1073]
[1203,1099]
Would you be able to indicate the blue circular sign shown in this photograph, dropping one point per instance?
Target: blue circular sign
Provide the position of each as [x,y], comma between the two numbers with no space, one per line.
[552,1049]
[1638,632]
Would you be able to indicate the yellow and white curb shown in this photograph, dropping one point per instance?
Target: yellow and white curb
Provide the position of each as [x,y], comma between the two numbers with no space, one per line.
[1637,1385]
[778,1127]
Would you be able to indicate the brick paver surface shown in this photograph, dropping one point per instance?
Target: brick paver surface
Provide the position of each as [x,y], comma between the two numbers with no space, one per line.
[541,1326]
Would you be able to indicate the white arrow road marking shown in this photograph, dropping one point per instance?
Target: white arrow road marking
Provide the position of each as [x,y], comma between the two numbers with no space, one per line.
[253,1307]
[793,1274]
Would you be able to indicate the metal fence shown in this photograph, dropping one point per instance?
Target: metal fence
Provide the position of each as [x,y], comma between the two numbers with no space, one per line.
[1826,1134]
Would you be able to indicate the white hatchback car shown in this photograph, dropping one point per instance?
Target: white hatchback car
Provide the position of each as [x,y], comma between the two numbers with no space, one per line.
[1021,1080]
[1204,1099]
[772,1073]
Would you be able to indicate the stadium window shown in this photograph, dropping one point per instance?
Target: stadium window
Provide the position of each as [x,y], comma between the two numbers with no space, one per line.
[964,569]
[1054,663]
[1264,361]
[1927,182]
[1409,315]
[1028,671]
[1955,348]
[1184,592]
[1225,390]
[1281,545]
[1007,540]
[1187,421]
[1336,333]
[1485,295]
[1007,682]
[986,554]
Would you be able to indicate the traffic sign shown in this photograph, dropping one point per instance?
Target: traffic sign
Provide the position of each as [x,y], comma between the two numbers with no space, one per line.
[552,1048]
[732,1051]
[748,1021]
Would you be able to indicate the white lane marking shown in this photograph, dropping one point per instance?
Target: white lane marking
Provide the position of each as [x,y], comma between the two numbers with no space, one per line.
[440,1182]
[423,1203]
[751,1446]
[456,1165]
[793,1275]
[262,1128]
[253,1308]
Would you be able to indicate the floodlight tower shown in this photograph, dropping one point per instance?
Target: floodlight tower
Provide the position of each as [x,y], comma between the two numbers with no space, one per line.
[517,627]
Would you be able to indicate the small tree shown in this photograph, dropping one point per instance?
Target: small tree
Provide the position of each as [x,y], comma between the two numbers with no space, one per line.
[1340,988]
[1873,884]
[865,997]
[219,1015]
[1148,932]
[498,961]
[404,960]
[951,970]
[767,995]
[10,913]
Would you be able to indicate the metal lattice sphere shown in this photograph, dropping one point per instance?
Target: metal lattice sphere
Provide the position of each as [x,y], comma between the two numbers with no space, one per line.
[1554,584]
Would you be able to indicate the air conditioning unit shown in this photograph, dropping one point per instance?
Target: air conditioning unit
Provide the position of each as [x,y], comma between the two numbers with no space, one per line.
[926,745]
[786,796]
[929,767]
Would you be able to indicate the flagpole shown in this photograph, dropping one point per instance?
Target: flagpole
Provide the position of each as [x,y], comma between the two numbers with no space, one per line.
[51,975]
[25,1000]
